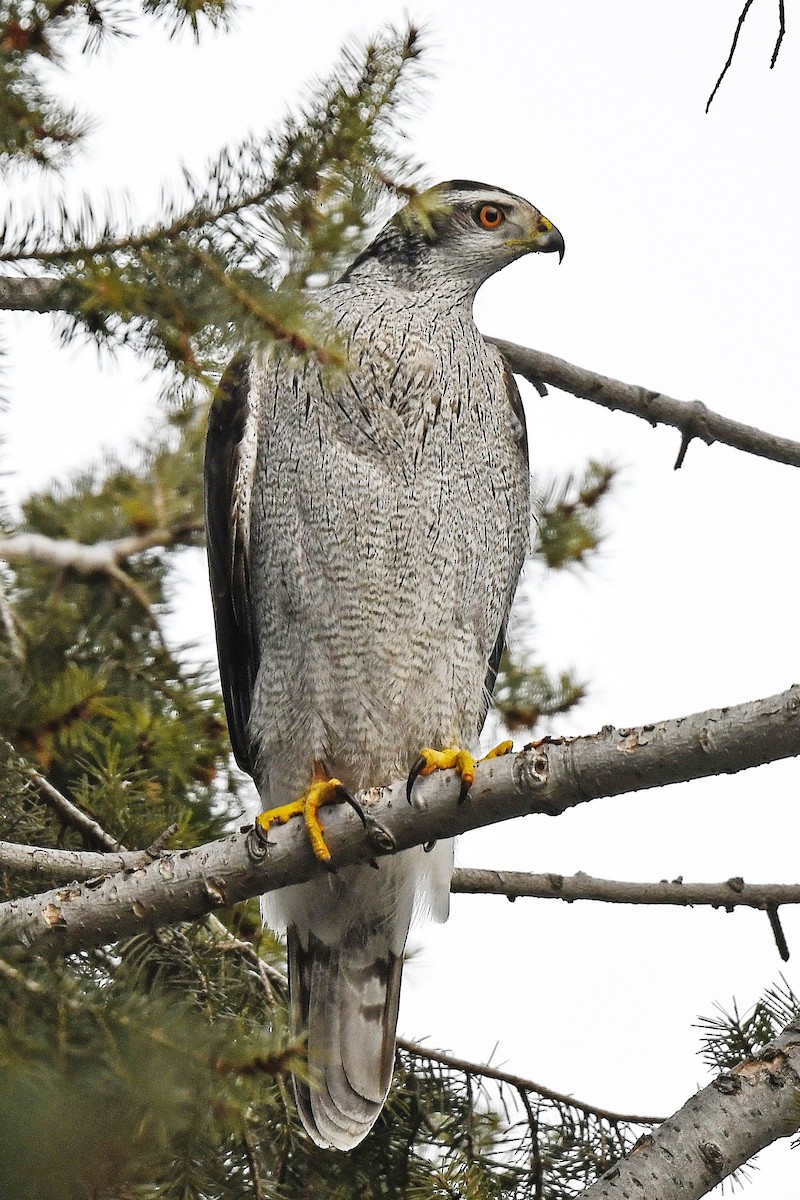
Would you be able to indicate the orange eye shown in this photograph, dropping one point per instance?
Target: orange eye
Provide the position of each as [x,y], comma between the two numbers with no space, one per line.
[490,217]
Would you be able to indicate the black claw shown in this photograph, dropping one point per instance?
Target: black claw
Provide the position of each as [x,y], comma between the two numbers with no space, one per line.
[257,843]
[466,784]
[329,867]
[350,799]
[413,775]
[428,846]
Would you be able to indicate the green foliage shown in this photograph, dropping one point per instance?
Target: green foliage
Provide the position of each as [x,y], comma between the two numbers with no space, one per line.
[567,533]
[567,520]
[525,692]
[93,697]
[35,129]
[112,1088]
[226,264]
[729,1037]
[162,1070]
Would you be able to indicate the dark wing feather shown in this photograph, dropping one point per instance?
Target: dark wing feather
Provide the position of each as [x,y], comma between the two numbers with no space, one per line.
[515,403]
[227,503]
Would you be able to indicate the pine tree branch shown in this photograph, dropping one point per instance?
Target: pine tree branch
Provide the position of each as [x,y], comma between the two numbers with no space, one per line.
[692,418]
[95,557]
[730,894]
[523,1085]
[716,1131]
[550,777]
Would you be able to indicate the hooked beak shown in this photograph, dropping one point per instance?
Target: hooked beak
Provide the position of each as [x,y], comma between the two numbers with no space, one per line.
[544,238]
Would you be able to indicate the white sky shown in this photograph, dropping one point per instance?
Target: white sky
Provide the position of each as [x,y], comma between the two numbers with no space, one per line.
[681,274]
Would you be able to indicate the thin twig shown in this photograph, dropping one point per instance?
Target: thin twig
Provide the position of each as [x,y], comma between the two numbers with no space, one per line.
[252,1160]
[129,584]
[160,843]
[9,625]
[777,931]
[231,942]
[522,1084]
[781,32]
[536,1158]
[731,52]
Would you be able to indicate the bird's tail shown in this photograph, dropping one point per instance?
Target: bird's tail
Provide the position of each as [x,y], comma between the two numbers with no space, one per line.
[346,997]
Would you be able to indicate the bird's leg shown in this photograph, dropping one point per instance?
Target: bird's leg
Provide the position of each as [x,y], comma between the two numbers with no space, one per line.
[453,757]
[322,790]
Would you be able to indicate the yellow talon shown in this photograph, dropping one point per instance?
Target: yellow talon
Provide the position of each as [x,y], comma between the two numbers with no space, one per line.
[320,792]
[461,760]
[498,752]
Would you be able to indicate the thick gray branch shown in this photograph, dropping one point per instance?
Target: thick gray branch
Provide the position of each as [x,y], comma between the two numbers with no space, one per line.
[715,1132]
[548,778]
[733,893]
[692,418]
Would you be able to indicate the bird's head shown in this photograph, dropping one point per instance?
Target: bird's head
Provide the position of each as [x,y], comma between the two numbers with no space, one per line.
[460,232]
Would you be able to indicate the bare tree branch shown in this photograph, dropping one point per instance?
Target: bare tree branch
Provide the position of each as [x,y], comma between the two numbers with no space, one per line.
[523,1085]
[67,866]
[548,777]
[715,1132]
[692,418]
[732,893]
[9,625]
[75,817]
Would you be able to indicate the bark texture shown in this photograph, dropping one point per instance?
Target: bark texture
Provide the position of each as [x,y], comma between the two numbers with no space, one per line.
[715,1132]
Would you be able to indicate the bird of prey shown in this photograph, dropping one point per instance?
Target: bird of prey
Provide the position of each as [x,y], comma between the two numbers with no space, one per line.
[366,530]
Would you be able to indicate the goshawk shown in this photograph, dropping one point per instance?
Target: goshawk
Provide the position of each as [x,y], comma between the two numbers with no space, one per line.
[366,531]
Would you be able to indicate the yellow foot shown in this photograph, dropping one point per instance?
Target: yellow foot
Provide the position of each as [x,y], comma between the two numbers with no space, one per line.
[443,760]
[321,791]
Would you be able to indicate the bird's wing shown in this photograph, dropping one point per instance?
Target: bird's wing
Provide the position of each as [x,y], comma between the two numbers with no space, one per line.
[229,468]
[518,411]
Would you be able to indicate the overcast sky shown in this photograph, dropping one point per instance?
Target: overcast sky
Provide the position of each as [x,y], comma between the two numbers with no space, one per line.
[681,273]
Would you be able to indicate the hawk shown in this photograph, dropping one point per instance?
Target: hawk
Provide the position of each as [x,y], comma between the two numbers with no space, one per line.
[366,531]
